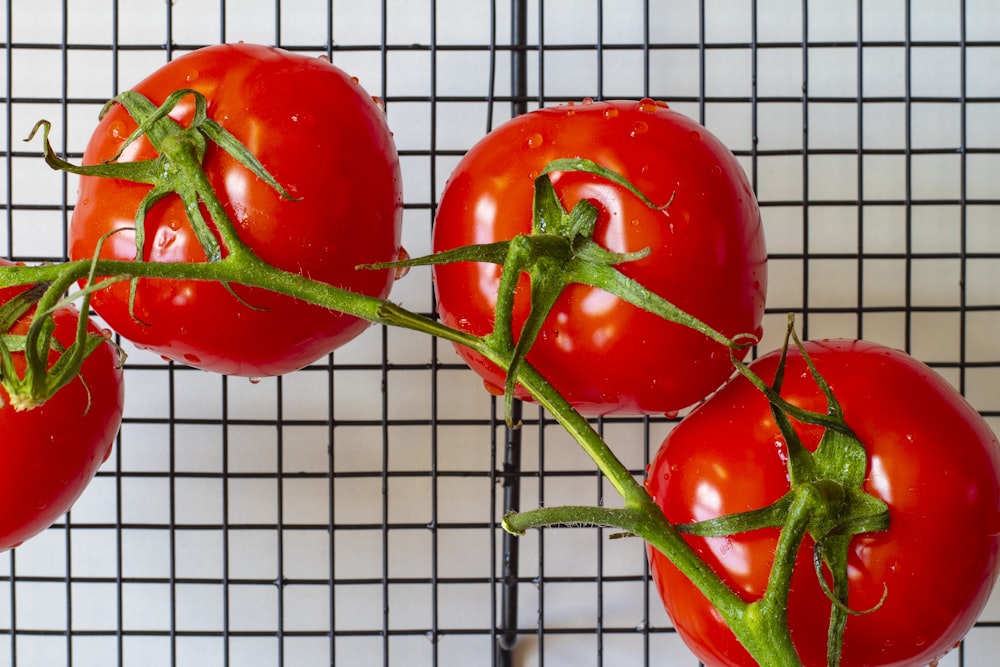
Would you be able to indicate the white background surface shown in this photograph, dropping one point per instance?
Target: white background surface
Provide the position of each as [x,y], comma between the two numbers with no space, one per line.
[881,116]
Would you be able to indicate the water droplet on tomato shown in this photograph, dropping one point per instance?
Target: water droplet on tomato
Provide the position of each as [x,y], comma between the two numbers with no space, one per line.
[379,102]
[191,75]
[671,414]
[611,112]
[192,358]
[325,58]
[117,130]
[694,135]
[639,128]
[164,239]
[355,80]
[254,380]
[107,333]
[716,170]
[402,270]
[588,100]
[535,140]
[647,105]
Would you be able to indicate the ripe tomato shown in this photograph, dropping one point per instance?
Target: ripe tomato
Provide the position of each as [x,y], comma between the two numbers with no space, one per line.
[707,251]
[324,139]
[932,459]
[49,454]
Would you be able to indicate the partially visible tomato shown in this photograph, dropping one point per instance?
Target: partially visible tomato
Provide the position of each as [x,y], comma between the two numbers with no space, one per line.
[932,459]
[322,137]
[49,454]
[707,251]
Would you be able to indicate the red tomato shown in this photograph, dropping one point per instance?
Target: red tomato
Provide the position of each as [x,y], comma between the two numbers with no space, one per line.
[932,459]
[49,454]
[324,139]
[707,251]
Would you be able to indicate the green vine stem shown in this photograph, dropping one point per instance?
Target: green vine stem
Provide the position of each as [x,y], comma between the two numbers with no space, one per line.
[762,625]
[640,516]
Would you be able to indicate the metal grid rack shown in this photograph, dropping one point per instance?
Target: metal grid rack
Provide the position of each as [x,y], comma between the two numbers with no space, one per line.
[347,513]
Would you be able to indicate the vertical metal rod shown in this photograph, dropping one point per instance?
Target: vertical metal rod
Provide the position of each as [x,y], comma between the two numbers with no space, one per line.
[519,57]
[507,635]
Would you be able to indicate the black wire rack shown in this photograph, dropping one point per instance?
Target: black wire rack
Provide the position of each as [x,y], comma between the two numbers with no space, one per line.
[348,513]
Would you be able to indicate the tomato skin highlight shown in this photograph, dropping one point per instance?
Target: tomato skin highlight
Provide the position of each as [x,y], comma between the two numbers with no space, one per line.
[49,454]
[932,459]
[324,139]
[707,252]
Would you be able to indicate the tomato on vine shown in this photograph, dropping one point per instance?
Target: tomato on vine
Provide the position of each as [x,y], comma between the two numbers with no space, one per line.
[50,452]
[914,588]
[695,240]
[318,134]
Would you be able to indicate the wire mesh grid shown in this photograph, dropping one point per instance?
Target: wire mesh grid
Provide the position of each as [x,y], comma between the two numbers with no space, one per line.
[347,513]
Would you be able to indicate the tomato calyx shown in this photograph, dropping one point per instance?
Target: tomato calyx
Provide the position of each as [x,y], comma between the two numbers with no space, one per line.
[826,500]
[39,381]
[560,251]
[177,169]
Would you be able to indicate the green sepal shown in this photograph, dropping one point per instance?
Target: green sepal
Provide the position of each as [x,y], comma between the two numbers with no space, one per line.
[40,381]
[591,167]
[773,516]
[145,171]
[15,308]
[493,253]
